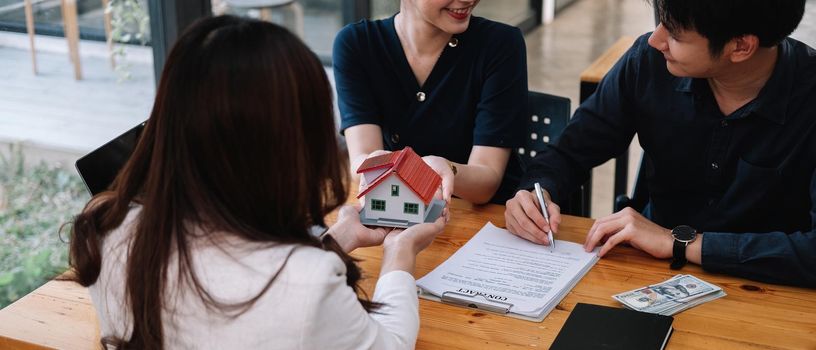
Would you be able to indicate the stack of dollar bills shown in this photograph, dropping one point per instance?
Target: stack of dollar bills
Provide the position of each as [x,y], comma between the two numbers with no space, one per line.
[679,293]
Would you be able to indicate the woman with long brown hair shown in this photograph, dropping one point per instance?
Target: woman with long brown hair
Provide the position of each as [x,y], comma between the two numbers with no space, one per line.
[203,240]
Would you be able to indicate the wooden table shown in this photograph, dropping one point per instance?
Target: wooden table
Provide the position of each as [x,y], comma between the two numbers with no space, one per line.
[752,316]
[596,71]
[57,315]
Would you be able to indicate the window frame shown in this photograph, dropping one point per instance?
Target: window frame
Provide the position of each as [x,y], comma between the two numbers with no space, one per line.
[375,206]
[414,206]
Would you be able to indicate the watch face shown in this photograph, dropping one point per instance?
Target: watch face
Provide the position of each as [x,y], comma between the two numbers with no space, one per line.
[684,233]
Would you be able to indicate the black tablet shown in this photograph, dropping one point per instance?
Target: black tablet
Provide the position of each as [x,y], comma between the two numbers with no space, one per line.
[99,168]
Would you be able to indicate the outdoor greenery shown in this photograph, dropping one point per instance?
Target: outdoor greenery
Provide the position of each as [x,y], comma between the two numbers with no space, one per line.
[35,201]
[130,23]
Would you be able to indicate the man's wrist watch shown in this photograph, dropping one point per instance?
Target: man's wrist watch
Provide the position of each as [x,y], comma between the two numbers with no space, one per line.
[683,236]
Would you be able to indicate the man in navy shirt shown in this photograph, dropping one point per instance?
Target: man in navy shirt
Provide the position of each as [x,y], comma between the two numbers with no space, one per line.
[724,106]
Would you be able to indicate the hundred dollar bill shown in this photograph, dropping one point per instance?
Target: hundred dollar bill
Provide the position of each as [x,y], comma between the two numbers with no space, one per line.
[673,295]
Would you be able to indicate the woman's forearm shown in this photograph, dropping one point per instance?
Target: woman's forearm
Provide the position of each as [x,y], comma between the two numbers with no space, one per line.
[479,179]
[363,141]
[399,257]
[476,183]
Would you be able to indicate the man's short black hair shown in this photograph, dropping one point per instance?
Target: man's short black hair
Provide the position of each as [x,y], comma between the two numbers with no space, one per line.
[722,20]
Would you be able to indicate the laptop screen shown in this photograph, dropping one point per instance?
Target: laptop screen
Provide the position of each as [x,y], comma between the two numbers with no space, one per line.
[99,168]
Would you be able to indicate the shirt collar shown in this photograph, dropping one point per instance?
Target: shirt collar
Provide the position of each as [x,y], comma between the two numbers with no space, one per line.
[773,98]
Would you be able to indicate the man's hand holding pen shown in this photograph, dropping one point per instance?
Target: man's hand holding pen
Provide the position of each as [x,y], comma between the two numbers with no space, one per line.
[524,216]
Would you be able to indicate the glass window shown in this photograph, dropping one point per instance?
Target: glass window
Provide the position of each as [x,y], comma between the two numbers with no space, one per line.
[48,17]
[411,208]
[377,204]
[394,190]
[54,112]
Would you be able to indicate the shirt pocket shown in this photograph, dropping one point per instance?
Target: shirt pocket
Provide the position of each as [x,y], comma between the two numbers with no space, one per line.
[753,185]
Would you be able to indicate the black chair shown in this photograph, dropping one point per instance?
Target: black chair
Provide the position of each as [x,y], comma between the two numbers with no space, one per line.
[548,116]
[640,194]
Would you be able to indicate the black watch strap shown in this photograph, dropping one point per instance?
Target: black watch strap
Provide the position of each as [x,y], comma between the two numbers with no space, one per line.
[679,255]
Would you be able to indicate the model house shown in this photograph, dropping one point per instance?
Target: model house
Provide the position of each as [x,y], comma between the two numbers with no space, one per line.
[398,190]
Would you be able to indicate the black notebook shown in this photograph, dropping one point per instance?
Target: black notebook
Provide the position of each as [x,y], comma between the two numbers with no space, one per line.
[603,327]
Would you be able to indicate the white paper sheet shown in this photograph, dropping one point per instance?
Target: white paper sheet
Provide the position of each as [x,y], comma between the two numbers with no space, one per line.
[503,268]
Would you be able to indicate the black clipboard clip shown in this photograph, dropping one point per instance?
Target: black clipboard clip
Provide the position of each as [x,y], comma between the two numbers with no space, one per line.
[469,300]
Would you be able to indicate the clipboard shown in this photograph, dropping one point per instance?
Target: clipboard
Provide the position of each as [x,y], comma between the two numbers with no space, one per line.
[481,303]
[461,282]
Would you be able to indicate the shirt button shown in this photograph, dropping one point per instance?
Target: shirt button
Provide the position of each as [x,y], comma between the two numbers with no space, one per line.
[395,138]
[421,96]
[724,123]
[711,202]
[453,42]
[715,166]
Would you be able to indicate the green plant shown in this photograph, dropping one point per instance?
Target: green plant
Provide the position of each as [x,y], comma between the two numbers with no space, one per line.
[130,23]
[35,201]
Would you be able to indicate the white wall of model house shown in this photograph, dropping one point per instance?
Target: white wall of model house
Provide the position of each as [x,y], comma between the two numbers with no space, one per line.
[394,205]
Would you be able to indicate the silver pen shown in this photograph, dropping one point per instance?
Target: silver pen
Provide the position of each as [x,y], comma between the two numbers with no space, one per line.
[543,204]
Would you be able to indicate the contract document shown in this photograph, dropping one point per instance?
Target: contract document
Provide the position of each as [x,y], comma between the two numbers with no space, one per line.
[499,272]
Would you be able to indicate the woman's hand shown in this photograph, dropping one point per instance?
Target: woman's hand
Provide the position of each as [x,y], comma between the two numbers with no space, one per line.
[415,238]
[350,234]
[401,246]
[442,167]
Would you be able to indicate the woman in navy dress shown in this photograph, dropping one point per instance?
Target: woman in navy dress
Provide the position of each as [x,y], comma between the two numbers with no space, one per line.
[450,85]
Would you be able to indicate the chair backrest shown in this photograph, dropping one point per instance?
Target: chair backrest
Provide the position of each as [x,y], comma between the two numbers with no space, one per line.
[547,116]
[640,192]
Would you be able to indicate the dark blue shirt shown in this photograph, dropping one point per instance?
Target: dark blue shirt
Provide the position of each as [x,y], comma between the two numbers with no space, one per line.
[747,180]
[476,93]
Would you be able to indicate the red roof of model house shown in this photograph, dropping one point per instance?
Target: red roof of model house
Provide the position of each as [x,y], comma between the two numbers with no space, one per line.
[410,168]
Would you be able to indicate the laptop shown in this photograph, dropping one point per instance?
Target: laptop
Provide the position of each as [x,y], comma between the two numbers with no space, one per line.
[99,168]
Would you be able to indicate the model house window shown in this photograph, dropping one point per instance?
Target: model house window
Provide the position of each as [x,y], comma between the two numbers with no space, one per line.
[411,208]
[377,204]
[394,190]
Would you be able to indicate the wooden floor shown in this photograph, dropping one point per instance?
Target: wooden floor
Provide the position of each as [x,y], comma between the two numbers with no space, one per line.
[52,112]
